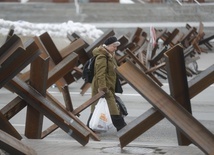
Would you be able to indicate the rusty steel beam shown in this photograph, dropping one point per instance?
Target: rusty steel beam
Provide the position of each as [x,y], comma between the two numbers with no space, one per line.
[83,56]
[78,70]
[69,78]
[54,53]
[53,127]
[38,77]
[6,61]
[205,41]
[84,88]
[176,72]
[72,47]
[77,36]
[13,107]
[138,126]
[62,68]
[153,69]
[33,124]
[154,60]
[124,41]
[50,47]
[61,107]
[13,146]
[171,109]
[143,67]
[17,62]
[130,46]
[38,80]
[196,85]
[9,48]
[10,33]
[6,126]
[61,82]
[41,47]
[135,35]
[67,98]
[75,46]
[187,36]
[49,130]
[24,76]
[85,105]
[171,37]
[56,115]
[201,81]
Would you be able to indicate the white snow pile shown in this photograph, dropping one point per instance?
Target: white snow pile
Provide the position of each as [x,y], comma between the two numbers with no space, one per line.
[25,28]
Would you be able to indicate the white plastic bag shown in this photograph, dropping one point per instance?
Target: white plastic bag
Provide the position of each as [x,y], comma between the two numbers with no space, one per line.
[101,119]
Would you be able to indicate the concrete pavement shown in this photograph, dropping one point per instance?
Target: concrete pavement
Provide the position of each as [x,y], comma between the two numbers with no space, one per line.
[70,147]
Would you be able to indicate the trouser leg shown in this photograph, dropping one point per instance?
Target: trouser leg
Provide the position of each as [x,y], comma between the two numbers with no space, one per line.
[118,121]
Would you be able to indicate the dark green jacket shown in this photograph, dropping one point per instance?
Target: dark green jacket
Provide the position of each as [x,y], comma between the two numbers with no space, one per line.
[105,77]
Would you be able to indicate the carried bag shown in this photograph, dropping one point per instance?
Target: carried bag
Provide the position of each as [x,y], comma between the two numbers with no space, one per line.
[101,119]
[121,105]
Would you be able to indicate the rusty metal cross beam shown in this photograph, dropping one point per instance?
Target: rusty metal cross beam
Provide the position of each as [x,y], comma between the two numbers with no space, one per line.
[40,80]
[14,146]
[37,99]
[43,105]
[165,106]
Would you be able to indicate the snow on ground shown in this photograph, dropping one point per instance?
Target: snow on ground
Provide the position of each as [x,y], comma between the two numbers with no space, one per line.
[25,28]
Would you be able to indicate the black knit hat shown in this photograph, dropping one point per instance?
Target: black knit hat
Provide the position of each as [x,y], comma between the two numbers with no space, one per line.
[112,40]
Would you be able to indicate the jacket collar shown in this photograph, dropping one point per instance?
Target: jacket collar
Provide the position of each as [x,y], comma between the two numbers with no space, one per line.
[107,51]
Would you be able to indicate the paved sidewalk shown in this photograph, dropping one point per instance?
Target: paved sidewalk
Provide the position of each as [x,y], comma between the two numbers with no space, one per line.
[104,147]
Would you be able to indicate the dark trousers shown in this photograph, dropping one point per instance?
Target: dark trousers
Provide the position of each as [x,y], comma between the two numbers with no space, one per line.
[117,120]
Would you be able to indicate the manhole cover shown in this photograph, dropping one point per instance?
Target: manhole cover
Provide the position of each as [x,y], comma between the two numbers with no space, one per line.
[127,150]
